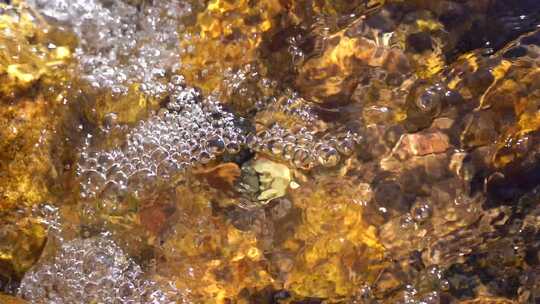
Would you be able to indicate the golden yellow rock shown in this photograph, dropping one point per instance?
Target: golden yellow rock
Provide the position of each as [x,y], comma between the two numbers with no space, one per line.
[274,179]
[34,59]
[5,299]
[235,49]
[34,65]
[127,108]
[425,42]
[504,92]
[330,79]
[21,242]
[207,254]
[513,140]
[26,129]
[225,41]
[340,250]
[29,50]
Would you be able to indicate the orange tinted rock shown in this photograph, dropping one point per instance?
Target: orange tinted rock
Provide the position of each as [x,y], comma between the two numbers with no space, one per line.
[5,299]
[221,176]
[423,143]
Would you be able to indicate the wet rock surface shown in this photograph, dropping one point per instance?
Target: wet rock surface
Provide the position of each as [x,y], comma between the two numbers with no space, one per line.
[269,151]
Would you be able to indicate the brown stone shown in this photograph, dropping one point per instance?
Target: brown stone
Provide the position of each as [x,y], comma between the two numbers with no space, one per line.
[419,144]
[5,299]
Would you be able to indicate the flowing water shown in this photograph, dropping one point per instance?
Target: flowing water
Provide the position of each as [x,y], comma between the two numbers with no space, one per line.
[269,151]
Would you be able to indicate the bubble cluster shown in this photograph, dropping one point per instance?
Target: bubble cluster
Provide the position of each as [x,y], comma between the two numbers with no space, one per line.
[93,270]
[121,44]
[304,148]
[193,130]
[294,107]
[190,131]
[293,131]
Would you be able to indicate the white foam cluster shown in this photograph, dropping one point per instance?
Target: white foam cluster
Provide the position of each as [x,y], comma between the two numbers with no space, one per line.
[304,148]
[120,44]
[190,131]
[93,270]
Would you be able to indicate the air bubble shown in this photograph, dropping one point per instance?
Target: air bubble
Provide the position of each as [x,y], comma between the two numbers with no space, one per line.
[328,156]
[302,159]
[159,154]
[204,157]
[216,145]
[233,147]
[275,146]
[345,145]
[288,151]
